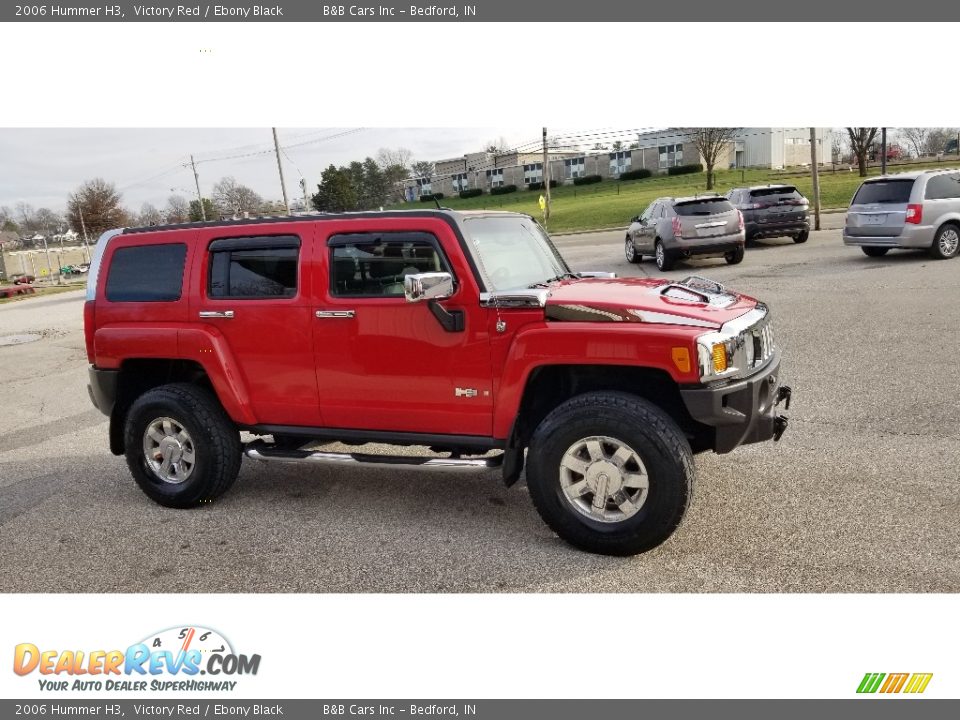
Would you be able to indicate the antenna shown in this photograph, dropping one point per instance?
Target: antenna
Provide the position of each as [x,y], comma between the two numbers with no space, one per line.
[437,201]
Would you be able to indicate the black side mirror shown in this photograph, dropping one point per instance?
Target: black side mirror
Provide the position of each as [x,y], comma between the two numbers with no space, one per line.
[635,218]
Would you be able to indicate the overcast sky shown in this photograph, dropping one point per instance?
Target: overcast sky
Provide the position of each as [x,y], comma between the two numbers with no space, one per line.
[42,166]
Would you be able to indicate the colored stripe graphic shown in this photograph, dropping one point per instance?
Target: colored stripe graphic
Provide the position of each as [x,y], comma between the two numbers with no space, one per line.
[870,682]
[918,683]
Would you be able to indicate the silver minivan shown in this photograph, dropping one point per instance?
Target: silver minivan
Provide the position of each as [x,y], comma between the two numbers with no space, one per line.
[907,210]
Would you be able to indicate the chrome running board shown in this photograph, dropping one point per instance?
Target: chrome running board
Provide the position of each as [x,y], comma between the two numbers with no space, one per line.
[259,450]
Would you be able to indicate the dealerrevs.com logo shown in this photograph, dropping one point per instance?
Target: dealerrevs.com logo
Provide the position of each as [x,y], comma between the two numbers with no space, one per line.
[173,659]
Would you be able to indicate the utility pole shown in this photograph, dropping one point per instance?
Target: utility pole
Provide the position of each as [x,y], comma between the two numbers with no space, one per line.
[546,177]
[196,179]
[283,185]
[816,178]
[303,186]
[883,144]
[83,227]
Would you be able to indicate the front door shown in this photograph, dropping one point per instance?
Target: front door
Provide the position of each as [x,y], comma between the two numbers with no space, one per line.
[387,364]
[252,293]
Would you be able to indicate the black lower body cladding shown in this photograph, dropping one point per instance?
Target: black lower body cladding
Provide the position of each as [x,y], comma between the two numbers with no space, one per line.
[756,230]
[741,411]
[102,388]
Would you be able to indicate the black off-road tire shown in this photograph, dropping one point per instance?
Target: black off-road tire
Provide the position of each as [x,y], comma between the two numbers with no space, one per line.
[734,257]
[215,441]
[650,432]
[630,251]
[802,237]
[937,250]
[662,257]
[873,251]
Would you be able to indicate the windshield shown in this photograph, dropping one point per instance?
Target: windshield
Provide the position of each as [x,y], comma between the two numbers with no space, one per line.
[514,252]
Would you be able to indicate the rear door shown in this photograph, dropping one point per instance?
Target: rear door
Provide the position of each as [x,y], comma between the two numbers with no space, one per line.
[252,289]
[776,205]
[879,209]
[387,364]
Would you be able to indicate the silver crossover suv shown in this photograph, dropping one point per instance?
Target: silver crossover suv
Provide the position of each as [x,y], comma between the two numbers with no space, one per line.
[673,228]
[907,210]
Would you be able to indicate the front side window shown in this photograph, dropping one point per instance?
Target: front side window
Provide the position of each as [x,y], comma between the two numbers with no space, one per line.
[250,268]
[146,273]
[375,264]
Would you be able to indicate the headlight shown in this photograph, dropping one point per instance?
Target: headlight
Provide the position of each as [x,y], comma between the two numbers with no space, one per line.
[735,350]
[717,354]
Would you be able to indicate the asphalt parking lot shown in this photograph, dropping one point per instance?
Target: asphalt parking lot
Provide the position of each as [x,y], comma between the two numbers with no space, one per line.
[861,495]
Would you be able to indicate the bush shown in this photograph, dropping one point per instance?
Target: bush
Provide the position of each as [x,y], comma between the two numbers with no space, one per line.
[539,185]
[471,193]
[430,197]
[503,190]
[636,174]
[587,180]
[685,169]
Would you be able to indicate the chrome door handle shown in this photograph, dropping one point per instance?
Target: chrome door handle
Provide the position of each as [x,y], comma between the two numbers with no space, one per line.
[216,314]
[335,313]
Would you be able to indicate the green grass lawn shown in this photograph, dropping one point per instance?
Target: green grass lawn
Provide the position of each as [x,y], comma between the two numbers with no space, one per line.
[612,204]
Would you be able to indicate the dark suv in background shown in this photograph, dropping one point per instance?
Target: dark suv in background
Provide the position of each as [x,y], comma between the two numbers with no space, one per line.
[674,228]
[772,211]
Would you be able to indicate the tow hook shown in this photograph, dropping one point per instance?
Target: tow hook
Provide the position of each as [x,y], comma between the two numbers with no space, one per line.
[783,394]
[779,427]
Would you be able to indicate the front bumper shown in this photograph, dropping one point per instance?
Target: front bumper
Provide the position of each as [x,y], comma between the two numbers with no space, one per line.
[741,411]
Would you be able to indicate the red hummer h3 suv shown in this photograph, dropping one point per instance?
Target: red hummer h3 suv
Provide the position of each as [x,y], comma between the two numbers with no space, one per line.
[463,332]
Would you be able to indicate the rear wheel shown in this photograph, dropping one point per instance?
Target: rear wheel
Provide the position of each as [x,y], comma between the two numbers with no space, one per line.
[734,257]
[664,261]
[630,250]
[610,473]
[946,243]
[181,447]
[802,237]
[874,251]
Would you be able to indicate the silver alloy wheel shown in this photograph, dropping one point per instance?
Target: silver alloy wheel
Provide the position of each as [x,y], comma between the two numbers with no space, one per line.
[169,451]
[604,479]
[660,255]
[949,241]
[629,249]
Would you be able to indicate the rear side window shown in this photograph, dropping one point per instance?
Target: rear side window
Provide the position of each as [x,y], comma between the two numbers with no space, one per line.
[712,206]
[250,268]
[943,187]
[375,264]
[893,192]
[146,273]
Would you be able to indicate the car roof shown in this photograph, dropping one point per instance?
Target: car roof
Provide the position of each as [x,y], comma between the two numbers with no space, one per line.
[910,174]
[456,215]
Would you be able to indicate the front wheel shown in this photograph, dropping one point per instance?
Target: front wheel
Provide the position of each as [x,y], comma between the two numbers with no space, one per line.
[181,447]
[664,261]
[630,250]
[871,251]
[946,243]
[734,257]
[610,473]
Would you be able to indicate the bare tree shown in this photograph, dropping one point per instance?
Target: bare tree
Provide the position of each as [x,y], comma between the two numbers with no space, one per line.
[598,146]
[99,202]
[149,215]
[915,137]
[711,143]
[177,210]
[618,145]
[937,140]
[861,142]
[497,146]
[25,217]
[233,197]
[422,169]
[389,157]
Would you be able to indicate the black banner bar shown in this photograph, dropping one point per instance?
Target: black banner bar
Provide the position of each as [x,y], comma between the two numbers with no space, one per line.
[739,11]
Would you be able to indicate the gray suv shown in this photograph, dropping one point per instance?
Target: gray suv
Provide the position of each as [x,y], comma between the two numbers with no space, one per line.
[674,228]
[907,210]
[772,211]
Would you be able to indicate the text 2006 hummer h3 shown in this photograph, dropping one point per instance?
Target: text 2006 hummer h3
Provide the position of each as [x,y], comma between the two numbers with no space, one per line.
[466,333]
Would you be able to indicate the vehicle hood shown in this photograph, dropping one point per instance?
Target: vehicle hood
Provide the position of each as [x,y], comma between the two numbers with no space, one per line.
[642,300]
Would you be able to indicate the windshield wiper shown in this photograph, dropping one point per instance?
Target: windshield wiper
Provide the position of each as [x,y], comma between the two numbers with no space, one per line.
[561,276]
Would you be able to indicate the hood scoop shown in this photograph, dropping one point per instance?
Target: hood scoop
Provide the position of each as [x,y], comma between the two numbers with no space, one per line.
[699,290]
